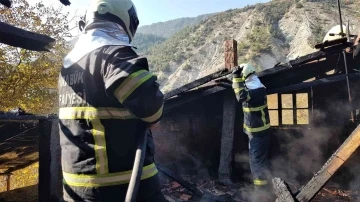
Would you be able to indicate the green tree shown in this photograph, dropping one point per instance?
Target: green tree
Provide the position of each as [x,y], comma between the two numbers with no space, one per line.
[28,79]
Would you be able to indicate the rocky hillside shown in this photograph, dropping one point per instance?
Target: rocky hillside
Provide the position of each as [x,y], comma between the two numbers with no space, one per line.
[266,33]
[169,28]
[150,35]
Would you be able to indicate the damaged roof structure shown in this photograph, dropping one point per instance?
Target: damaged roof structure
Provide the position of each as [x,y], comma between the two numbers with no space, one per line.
[202,119]
[199,133]
[201,123]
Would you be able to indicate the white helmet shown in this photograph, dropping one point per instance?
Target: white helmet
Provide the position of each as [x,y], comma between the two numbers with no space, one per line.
[122,12]
[335,31]
[248,69]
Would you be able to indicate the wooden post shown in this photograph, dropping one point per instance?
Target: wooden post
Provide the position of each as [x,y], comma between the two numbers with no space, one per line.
[8,182]
[56,181]
[229,112]
[231,59]
[44,161]
[330,167]
[227,138]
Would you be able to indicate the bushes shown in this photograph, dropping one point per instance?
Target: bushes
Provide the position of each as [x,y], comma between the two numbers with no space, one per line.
[318,34]
[187,66]
[259,40]
[257,23]
[275,11]
[299,5]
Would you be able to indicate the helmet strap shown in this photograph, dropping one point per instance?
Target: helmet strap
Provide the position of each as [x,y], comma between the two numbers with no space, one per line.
[252,73]
[110,17]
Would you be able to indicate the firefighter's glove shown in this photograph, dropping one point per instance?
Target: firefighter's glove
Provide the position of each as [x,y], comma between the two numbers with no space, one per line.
[237,71]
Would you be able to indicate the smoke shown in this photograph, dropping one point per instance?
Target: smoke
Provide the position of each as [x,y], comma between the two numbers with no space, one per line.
[301,154]
[297,155]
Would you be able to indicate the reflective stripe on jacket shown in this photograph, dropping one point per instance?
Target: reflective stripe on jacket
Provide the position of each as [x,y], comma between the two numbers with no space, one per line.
[256,113]
[106,100]
[255,108]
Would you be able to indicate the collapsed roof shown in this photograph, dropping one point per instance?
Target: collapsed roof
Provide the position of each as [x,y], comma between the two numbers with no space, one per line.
[322,67]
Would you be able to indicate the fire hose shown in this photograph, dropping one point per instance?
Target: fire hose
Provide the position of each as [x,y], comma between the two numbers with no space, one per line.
[138,165]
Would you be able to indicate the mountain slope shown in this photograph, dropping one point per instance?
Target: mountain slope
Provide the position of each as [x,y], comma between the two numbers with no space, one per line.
[145,41]
[156,33]
[266,33]
[169,28]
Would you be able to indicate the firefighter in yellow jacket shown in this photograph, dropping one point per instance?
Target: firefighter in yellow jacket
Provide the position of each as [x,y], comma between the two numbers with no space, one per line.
[106,93]
[252,94]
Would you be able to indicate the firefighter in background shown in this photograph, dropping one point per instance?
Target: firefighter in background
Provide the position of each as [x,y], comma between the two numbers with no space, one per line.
[252,94]
[107,98]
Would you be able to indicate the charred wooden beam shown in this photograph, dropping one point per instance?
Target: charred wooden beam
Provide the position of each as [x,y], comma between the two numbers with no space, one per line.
[320,54]
[197,83]
[331,166]
[22,166]
[310,84]
[325,44]
[8,182]
[17,37]
[309,191]
[45,160]
[227,138]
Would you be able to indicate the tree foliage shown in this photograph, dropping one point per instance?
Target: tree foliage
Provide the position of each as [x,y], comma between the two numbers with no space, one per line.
[144,41]
[28,79]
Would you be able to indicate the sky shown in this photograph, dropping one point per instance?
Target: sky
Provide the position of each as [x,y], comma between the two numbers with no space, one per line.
[152,11]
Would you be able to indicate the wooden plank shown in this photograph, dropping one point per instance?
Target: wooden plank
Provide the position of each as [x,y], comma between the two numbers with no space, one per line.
[282,191]
[331,166]
[231,59]
[175,102]
[306,85]
[319,54]
[44,161]
[24,165]
[197,83]
[331,43]
[17,37]
[8,182]
[227,138]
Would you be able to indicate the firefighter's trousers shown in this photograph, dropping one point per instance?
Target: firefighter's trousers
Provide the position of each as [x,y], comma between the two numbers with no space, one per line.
[258,154]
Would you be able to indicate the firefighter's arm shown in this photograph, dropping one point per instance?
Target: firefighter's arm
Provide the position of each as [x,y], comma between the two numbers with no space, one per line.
[137,90]
[238,84]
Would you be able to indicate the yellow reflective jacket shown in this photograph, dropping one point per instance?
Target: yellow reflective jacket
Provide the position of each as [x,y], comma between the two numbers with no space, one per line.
[104,98]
